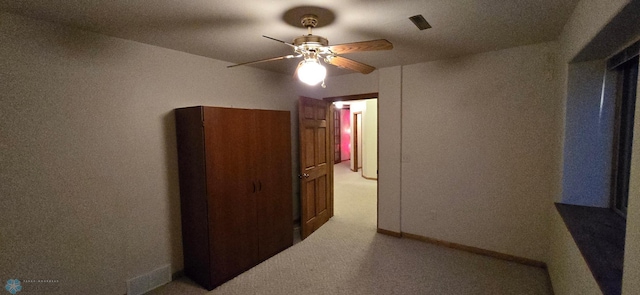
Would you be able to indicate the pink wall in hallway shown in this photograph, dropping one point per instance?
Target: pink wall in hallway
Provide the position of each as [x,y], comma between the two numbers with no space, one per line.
[345,130]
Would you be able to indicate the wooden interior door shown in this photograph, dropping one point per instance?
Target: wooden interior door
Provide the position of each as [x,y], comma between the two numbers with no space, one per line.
[230,192]
[272,150]
[316,163]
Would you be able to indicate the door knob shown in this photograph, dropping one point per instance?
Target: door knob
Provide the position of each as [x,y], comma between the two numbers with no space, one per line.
[303,175]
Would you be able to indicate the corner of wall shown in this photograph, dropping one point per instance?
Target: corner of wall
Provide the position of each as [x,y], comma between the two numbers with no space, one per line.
[568,271]
[389,149]
[587,19]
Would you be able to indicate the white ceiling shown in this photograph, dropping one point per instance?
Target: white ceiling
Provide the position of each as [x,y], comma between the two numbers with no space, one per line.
[231,30]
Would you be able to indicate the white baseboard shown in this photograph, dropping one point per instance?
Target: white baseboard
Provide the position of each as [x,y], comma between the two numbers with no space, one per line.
[149,281]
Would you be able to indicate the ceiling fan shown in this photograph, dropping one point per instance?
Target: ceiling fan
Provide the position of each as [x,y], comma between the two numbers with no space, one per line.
[313,49]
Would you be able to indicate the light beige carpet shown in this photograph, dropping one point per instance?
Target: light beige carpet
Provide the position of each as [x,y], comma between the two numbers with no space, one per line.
[347,256]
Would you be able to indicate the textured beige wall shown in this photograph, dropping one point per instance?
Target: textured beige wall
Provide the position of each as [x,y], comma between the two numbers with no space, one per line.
[370,139]
[568,270]
[587,19]
[480,155]
[88,163]
[390,139]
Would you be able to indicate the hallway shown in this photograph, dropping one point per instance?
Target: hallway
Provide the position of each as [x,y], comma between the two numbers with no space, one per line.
[355,198]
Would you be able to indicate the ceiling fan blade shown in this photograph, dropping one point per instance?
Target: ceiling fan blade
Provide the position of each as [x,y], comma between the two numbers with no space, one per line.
[350,64]
[380,44]
[274,39]
[263,60]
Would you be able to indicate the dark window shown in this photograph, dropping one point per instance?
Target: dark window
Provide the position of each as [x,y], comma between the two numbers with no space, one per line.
[623,134]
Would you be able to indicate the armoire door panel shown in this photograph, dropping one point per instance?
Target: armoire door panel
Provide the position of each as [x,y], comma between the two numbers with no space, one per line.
[273,173]
[232,207]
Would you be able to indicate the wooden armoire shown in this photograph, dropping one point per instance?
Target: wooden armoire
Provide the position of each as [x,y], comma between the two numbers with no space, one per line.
[235,189]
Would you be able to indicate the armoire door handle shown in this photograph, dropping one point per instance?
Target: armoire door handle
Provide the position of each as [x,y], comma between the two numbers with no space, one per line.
[259,185]
[254,186]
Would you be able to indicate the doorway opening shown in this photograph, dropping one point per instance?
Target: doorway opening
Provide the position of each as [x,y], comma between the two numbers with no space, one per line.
[356,171]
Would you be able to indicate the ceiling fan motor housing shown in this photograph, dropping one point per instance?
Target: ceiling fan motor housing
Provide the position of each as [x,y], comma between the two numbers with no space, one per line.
[310,46]
[311,40]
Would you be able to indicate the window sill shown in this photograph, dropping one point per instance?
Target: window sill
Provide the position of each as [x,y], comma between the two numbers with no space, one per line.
[599,233]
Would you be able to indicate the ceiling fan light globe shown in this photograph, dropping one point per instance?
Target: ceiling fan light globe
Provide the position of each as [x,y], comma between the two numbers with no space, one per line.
[311,72]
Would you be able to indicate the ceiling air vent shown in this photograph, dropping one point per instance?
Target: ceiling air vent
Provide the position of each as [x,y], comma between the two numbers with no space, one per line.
[420,22]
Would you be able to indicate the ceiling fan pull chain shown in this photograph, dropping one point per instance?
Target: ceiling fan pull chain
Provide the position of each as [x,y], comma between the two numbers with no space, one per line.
[323,86]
